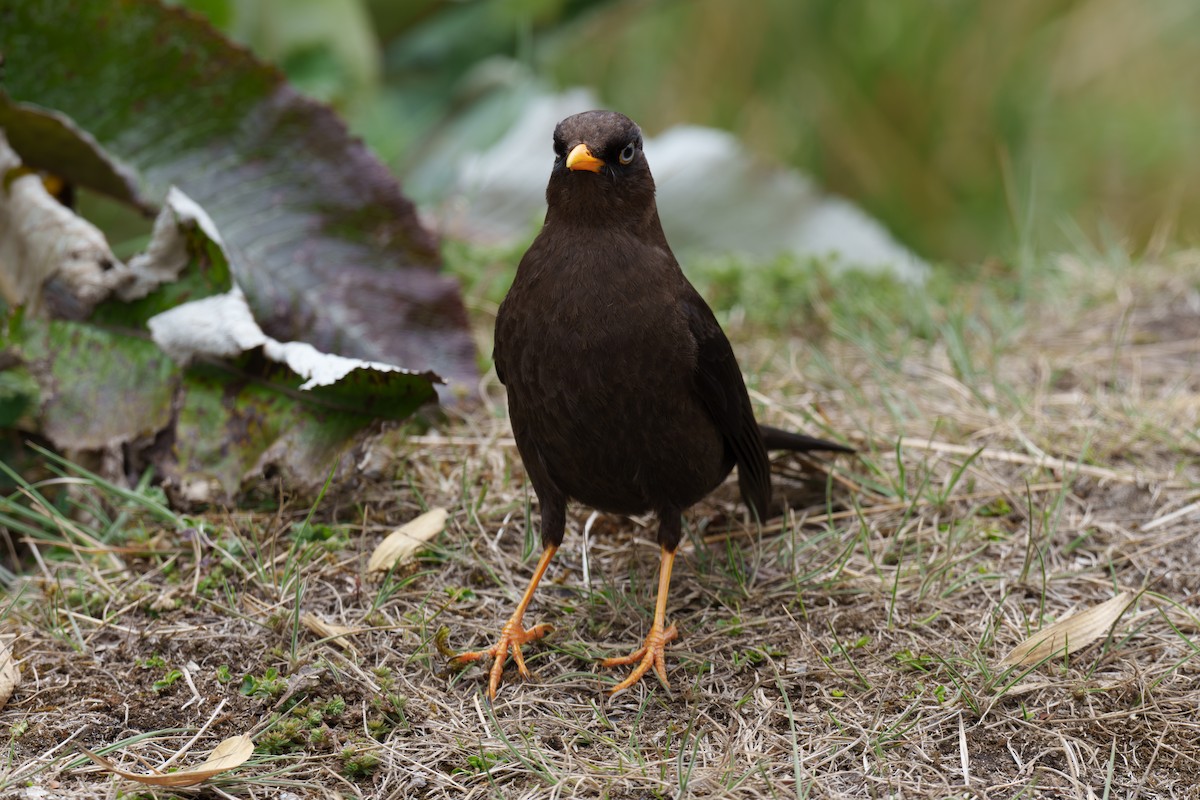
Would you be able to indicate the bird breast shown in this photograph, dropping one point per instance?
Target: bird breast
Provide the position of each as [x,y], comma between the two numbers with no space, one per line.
[598,362]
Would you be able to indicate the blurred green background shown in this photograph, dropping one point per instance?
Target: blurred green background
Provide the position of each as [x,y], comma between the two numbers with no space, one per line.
[973,130]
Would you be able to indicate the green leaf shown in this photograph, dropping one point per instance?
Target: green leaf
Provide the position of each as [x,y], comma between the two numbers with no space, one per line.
[126,395]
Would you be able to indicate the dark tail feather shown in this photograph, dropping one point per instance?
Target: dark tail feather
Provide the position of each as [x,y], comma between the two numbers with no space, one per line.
[776,439]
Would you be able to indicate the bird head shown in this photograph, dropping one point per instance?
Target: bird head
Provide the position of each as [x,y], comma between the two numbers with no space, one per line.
[599,168]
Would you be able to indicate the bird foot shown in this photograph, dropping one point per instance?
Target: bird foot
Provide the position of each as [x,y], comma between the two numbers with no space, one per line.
[512,636]
[651,654]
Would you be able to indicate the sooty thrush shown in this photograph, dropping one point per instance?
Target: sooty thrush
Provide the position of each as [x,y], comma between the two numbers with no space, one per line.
[623,390]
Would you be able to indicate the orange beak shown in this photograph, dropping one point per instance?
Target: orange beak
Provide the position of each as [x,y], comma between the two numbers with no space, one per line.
[581,158]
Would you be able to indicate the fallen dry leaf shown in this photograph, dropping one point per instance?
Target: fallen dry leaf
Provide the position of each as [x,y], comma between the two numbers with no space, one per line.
[327,630]
[10,676]
[402,543]
[1073,633]
[230,753]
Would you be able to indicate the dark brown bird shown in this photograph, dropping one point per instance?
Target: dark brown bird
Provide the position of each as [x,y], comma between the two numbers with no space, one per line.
[623,391]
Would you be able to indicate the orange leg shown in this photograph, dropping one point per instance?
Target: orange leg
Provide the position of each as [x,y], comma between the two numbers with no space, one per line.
[513,634]
[651,654]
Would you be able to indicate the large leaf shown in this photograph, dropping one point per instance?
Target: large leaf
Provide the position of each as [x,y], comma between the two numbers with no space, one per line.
[128,97]
[245,402]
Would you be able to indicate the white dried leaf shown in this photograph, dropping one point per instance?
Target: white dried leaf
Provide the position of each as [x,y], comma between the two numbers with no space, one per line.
[166,255]
[41,239]
[317,368]
[10,676]
[402,543]
[220,326]
[1073,633]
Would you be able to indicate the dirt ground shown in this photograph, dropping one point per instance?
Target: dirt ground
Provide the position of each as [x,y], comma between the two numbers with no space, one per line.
[850,647]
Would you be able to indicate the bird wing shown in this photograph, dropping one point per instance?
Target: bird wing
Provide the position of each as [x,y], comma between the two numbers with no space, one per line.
[721,389]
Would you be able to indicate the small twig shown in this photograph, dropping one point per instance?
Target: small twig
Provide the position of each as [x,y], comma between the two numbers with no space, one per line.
[463,441]
[1158,522]
[196,697]
[963,755]
[587,529]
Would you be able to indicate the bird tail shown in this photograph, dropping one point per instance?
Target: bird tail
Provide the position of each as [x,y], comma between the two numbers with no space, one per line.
[777,439]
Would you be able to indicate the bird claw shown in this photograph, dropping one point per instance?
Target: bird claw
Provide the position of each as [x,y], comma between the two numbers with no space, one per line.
[652,654]
[512,636]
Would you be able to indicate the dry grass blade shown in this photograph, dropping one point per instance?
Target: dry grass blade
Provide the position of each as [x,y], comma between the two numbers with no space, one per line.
[402,543]
[1073,633]
[233,752]
[10,676]
[1165,519]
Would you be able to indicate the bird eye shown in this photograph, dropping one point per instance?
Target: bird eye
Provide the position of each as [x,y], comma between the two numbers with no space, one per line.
[627,154]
